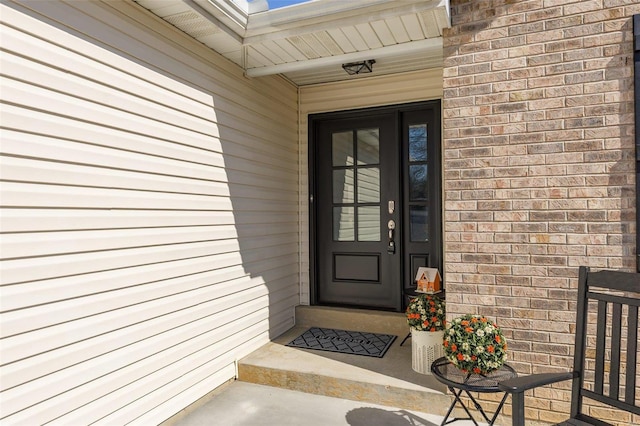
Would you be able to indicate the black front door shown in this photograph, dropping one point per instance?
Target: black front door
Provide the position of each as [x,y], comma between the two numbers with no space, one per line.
[375,203]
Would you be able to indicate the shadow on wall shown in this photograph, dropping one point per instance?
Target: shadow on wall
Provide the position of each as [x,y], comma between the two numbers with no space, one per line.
[169,221]
[618,219]
[263,187]
[229,145]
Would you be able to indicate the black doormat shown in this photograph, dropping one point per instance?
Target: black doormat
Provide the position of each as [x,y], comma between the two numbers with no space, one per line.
[344,341]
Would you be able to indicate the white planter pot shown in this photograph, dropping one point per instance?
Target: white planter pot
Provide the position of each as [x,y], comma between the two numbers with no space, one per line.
[426,347]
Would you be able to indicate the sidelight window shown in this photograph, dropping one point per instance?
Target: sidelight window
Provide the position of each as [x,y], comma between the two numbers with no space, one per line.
[418,184]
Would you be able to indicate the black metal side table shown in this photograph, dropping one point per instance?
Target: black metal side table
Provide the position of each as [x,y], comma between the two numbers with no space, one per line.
[458,381]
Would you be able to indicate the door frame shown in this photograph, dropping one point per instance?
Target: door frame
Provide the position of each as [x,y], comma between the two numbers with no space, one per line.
[313,182]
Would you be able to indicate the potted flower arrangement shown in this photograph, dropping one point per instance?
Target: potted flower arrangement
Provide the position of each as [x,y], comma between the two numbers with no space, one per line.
[426,318]
[475,344]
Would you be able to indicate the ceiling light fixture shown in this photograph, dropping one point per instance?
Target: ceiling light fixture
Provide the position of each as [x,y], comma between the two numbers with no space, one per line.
[353,68]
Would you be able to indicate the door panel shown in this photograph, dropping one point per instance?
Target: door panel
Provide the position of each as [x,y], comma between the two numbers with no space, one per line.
[357,176]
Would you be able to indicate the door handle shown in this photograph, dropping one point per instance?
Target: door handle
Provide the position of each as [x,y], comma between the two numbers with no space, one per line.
[391,247]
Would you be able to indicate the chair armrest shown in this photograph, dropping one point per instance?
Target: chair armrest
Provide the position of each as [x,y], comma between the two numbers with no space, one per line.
[523,383]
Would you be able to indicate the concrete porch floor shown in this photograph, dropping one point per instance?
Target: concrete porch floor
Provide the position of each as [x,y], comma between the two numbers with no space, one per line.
[280,385]
[248,404]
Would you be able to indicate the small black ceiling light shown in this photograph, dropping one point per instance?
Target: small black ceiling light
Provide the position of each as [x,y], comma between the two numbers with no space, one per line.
[353,68]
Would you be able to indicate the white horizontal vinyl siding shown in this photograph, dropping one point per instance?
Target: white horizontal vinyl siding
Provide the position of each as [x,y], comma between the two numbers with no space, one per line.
[149,214]
[346,95]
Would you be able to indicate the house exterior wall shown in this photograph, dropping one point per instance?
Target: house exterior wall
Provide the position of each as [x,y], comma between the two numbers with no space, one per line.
[352,94]
[150,207]
[539,170]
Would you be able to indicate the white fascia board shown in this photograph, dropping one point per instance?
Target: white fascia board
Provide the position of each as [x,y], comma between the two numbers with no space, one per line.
[234,14]
[195,6]
[382,52]
[447,11]
[257,6]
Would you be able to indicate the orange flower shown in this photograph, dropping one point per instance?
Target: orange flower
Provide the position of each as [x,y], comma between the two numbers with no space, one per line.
[464,329]
[454,347]
[415,313]
[446,343]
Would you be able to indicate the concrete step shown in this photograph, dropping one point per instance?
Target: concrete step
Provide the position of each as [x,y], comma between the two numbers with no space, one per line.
[352,319]
[389,381]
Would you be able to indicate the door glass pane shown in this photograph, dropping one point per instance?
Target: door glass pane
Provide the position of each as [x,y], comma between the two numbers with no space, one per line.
[369,223]
[418,182]
[343,224]
[343,188]
[419,223]
[342,148]
[369,185]
[418,142]
[369,146]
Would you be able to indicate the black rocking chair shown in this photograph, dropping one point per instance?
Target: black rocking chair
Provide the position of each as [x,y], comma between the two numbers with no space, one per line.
[611,377]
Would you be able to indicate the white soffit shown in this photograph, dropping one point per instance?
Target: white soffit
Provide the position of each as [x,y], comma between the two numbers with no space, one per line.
[308,42]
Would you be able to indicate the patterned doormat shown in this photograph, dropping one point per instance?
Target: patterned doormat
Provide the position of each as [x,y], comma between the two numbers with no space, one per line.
[344,341]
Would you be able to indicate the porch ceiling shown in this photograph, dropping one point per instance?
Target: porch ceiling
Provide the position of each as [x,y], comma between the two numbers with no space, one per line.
[308,42]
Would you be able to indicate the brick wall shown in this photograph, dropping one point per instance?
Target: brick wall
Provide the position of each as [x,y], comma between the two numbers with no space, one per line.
[539,170]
